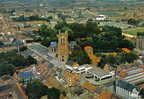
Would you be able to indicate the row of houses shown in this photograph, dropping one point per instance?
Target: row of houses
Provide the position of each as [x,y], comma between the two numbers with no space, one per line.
[126,75]
[130,81]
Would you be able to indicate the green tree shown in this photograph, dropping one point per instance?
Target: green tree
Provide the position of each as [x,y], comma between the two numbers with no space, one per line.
[17,61]
[1,44]
[91,28]
[132,21]
[102,39]
[10,61]
[36,89]
[80,56]
[53,93]
[60,25]
[21,18]
[30,60]
[47,35]
[6,68]
[126,44]
[130,57]
[49,18]
[110,59]
[102,63]
[33,18]
[142,93]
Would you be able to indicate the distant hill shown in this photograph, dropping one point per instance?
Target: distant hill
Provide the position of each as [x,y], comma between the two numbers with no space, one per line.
[91,2]
[98,3]
[103,3]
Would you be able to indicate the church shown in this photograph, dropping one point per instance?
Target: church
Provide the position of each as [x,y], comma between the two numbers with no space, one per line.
[61,49]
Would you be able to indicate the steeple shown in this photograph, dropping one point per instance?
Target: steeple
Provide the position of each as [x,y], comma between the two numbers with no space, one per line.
[63,51]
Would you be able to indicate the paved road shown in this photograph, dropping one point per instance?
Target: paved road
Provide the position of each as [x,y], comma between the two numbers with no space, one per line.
[14,87]
[47,57]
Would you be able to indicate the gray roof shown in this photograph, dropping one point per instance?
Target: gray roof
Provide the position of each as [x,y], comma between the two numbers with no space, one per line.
[70,63]
[5,87]
[26,75]
[125,85]
[40,49]
[97,71]
[50,65]
[53,44]
[73,43]
[5,77]
[99,90]
[17,43]
[27,52]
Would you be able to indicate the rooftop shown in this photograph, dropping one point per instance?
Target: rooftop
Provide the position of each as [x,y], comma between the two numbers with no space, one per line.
[99,72]
[26,75]
[125,71]
[89,86]
[125,85]
[53,44]
[5,87]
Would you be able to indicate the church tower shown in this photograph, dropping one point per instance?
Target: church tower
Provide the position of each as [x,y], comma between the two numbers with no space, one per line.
[63,50]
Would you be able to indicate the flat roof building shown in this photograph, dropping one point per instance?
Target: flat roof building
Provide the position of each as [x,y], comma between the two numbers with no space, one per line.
[133,74]
[98,76]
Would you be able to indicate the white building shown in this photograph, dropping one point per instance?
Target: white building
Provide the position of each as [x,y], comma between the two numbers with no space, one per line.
[126,90]
[101,18]
[79,69]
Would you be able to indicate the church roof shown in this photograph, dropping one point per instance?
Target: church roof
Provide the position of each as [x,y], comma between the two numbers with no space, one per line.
[125,85]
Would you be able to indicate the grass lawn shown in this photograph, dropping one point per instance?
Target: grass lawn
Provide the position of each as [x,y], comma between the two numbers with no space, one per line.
[134,31]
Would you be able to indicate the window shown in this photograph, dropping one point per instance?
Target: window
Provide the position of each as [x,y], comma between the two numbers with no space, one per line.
[96,78]
[62,58]
[106,77]
[89,76]
[62,40]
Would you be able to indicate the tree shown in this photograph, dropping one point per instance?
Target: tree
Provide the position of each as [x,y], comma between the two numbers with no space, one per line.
[142,93]
[47,35]
[36,89]
[60,25]
[23,48]
[10,61]
[17,61]
[91,28]
[118,59]
[6,69]
[130,57]
[1,44]
[49,18]
[110,59]
[53,93]
[43,29]
[132,21]
[80,56]
[30,60]
[102,39]
[126,44]
[21,18]
[33,18]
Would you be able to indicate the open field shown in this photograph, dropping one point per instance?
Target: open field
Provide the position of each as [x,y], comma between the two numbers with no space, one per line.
[134,31]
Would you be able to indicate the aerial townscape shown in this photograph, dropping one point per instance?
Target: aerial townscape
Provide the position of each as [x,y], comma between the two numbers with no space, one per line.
[71,49]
